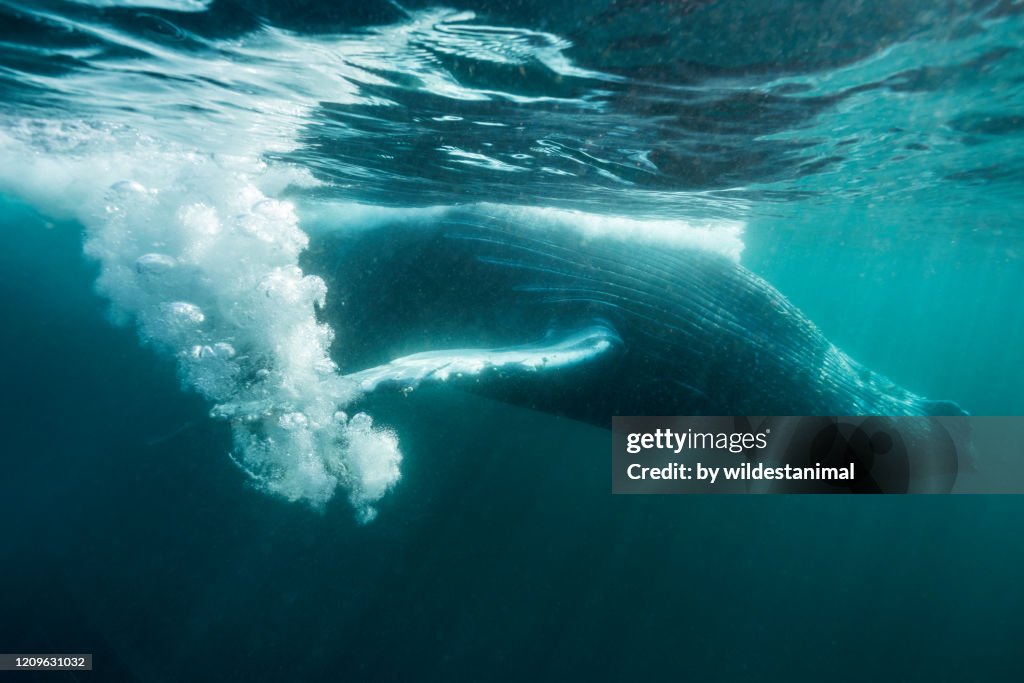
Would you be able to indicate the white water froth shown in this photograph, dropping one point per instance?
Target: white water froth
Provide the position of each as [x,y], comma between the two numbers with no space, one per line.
[196,251]
[717,235]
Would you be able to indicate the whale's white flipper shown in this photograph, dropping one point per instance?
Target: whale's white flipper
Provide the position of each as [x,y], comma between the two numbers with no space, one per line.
[408,372]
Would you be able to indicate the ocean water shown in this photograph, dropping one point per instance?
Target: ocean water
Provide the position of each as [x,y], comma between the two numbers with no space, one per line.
[194,489]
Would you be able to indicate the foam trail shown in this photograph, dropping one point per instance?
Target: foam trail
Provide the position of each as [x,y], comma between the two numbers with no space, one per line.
[195,249]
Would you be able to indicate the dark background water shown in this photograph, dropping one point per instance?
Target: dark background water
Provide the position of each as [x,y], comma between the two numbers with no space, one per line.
[500,556]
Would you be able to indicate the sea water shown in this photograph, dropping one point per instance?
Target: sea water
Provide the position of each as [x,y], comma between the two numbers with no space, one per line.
[193,487]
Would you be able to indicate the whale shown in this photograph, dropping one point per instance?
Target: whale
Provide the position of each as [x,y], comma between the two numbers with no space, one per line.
[581,326]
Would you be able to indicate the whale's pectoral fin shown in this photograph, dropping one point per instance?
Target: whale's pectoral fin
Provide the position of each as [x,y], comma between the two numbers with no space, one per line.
[470,366]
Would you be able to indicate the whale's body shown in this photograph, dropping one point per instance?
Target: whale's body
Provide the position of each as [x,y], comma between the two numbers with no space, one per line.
[584,327]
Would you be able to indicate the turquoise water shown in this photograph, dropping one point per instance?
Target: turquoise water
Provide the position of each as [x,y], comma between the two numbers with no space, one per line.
[923,307]
[163,164]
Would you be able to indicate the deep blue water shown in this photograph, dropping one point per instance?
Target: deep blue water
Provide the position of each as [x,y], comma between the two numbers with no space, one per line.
[162,163]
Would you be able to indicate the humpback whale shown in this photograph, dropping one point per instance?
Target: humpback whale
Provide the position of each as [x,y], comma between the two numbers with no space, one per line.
[587,328]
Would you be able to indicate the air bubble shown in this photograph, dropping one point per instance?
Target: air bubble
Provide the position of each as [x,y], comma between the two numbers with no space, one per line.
[128,187]
[154,264]
[224,350]
[292,421]
[184,312]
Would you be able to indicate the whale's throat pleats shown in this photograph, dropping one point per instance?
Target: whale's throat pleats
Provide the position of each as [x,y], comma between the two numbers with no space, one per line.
[580,326]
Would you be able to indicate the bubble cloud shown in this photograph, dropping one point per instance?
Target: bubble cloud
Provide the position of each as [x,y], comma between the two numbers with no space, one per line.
[195,251]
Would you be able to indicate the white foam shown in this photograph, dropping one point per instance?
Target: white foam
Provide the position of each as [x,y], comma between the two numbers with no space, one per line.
[718,235]
[194,250]
[712,234]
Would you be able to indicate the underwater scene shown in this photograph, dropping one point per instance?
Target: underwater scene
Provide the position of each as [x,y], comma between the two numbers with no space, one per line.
[317,313]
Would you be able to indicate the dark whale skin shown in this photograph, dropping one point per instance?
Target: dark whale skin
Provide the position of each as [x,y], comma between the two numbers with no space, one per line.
[692,332]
